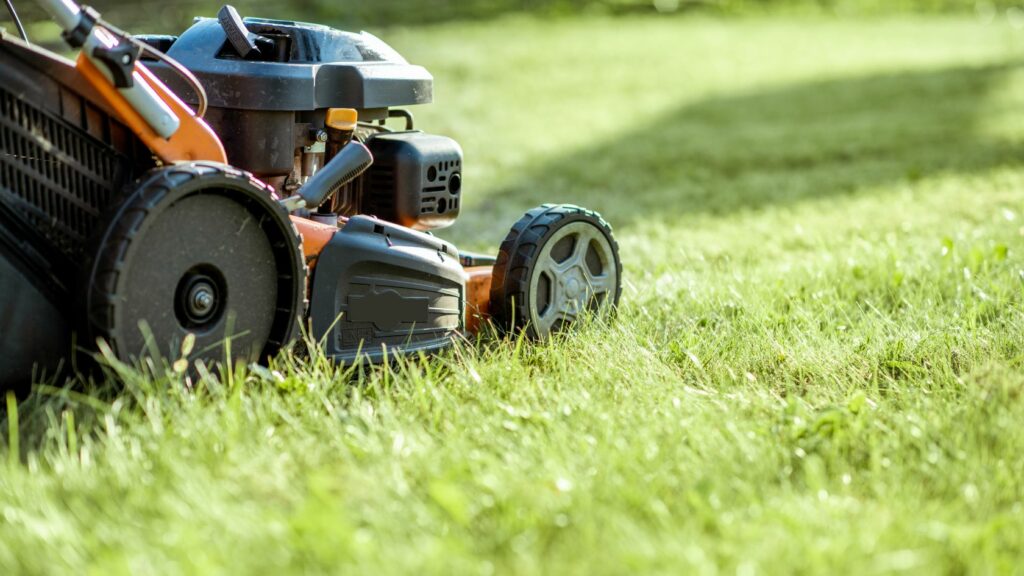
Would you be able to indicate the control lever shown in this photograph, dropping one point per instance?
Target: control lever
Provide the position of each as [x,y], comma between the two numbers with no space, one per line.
[246,43]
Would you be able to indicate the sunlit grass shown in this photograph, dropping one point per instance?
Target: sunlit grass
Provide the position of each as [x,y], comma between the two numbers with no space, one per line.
[816,366]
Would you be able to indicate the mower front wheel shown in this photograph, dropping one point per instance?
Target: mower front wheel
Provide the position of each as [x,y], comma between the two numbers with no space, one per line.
[557,263]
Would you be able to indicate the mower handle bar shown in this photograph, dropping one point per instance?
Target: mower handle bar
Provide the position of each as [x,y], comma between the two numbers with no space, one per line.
[81,28]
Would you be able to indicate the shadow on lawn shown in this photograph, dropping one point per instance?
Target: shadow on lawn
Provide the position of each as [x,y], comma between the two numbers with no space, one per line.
[749,151]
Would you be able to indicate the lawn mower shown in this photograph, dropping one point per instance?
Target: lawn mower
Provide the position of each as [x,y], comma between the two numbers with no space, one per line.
[230,185]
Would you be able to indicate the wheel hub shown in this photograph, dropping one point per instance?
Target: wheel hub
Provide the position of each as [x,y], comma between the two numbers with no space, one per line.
[573,284]
[200,297]
[201,300]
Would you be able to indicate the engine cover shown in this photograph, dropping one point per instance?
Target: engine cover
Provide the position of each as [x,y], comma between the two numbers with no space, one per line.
[266,107]
[381,289]
[316,67]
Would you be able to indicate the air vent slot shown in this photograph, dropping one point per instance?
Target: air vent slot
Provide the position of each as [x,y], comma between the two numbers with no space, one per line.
[56,176]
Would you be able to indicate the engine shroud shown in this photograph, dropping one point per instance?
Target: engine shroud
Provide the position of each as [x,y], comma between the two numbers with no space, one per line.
[314,67]
[264,109]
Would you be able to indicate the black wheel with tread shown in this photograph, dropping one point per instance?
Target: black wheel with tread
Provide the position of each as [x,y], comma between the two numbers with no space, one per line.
[557,261]
[203,249]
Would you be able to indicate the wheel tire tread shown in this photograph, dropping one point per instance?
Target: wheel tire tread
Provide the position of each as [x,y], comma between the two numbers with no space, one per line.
[126,222]
[511,281]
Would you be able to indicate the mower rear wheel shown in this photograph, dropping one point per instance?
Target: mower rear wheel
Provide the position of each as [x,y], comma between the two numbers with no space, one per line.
[199,249]
[556,264]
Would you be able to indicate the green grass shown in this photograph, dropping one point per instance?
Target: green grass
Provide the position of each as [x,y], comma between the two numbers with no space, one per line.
[816,367]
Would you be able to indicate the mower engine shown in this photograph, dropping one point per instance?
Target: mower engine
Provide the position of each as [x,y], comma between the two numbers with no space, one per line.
[287,98]
[272,86]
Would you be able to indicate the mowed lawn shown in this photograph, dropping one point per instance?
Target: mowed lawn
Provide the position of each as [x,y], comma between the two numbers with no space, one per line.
[816,366]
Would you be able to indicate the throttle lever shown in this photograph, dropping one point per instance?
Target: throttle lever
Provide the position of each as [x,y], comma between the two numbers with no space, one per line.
[242,40]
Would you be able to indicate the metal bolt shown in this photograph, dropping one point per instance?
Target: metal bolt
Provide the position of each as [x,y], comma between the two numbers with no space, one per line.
[201,300]
[204,300]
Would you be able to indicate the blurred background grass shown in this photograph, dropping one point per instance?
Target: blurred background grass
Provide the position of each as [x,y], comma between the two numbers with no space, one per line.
[377,13]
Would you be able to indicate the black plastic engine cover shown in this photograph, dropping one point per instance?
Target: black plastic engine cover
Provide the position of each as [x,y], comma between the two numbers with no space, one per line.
[379,286]
[316,67]
[415,180]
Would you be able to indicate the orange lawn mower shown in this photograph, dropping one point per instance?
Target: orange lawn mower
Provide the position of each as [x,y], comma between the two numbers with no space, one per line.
[239,181]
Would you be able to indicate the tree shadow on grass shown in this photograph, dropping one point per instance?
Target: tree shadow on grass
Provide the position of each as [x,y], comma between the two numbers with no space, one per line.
[810,141]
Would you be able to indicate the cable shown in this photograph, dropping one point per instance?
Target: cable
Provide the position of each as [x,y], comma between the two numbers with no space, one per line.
[174,64]
[185,73]
[182,71]
[17,21]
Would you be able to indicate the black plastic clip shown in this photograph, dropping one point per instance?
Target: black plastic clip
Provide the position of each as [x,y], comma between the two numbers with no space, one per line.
[120,61]
[77,36]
